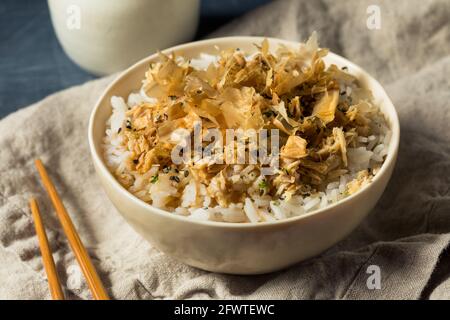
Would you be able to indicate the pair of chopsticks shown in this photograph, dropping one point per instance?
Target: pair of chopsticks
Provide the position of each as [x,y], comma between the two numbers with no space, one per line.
[88,269]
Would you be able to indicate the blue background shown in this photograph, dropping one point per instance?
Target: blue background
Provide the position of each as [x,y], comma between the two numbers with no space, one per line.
[33,65]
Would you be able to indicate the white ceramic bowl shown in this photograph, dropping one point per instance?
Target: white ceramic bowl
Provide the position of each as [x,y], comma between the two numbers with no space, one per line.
[246,248]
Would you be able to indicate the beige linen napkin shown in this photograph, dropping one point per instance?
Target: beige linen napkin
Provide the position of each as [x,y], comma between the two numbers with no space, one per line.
[406,235]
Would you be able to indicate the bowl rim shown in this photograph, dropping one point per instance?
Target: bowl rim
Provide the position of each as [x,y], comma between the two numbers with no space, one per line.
[388,162]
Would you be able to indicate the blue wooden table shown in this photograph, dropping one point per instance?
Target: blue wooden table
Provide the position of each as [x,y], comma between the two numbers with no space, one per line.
[32,63]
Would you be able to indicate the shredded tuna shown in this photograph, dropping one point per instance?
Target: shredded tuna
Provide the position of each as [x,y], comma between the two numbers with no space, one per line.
[325,121]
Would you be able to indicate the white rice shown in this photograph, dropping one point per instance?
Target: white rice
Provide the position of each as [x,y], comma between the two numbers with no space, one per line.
[368,153]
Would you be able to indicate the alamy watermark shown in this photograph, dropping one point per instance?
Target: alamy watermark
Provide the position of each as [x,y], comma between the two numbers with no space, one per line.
[240,147]
[373,21]
[73,20]
[374,280]
[74,278]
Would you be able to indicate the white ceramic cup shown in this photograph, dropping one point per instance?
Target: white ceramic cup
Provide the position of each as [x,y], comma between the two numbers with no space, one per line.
[239,248]
[105,36]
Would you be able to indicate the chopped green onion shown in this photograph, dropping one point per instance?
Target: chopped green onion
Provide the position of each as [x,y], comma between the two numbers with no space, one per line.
[262,184]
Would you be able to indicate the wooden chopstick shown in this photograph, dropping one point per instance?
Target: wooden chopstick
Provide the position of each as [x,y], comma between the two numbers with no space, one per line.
[47,258]
[88,269]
